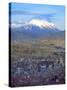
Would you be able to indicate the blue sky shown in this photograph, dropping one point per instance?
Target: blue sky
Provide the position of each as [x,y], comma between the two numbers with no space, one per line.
[21,13]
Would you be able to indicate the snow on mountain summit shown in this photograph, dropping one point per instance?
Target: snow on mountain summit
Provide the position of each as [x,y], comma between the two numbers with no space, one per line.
[42,23]
[35,22]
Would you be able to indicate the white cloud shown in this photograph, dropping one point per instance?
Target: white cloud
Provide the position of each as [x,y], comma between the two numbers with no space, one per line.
[15,25]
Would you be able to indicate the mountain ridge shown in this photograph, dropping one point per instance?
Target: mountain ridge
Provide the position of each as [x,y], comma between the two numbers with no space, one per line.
[35,33]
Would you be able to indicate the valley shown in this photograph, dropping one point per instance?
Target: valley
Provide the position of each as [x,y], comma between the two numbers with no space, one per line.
[37,62]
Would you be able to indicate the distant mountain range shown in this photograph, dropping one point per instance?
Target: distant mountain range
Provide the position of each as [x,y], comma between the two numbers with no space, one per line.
[36,29]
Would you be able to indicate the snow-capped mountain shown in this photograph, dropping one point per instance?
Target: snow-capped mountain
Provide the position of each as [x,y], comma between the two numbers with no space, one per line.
[42,23]
[35,29]
[35,22]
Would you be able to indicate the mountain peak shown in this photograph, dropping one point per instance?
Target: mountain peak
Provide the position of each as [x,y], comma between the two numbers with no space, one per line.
[42,23]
